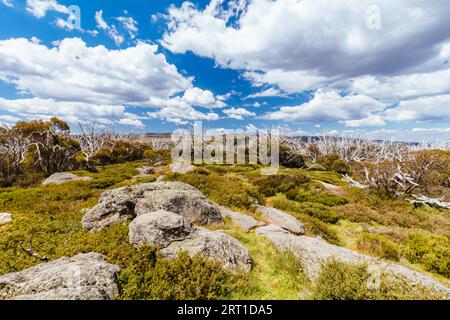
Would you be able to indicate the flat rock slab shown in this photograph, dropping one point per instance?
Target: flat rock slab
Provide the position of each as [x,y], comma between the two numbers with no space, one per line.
[331,188]
[5,217]
[281,219]
[181,167]
[172,233]
[214,245]
[124,204]
[243,221]
[314,253]
[62,177]
[82,277]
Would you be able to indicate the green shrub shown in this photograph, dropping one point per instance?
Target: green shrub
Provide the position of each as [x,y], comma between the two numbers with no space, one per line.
[318,228]
[315,210]
[240,168]
[315,195]
[432,251]
[155,156]
[340,166]
[103,183]
[384,212]
[201,170]
[319,211]
[147,276]
[271,185]
[357,212]
[378,246]
[232,191]
[334,163]
[29,179]
[340,281]
[313,225]
[275,275]
[290,158]
[123,151]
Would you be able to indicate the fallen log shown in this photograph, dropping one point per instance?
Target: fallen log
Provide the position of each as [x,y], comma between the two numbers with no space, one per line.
[421,199]
[354,183]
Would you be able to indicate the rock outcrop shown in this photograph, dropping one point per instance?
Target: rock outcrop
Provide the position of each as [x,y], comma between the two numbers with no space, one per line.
[243,221]
[82,277]
[281,219]
[124,204]
[159,229]
[5,217]
[173,233]
[181,167]
[314,253]
[62,177]
[215,245]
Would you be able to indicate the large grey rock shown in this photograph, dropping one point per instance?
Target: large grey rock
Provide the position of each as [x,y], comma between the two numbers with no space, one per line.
[5,217]
[124,204]
[62,177]
[314,253]
[159,229]
[173,233]
[281,219]
[82,277]
[270,231]
[243,221]
[181,167]
[214,245]
[191,204]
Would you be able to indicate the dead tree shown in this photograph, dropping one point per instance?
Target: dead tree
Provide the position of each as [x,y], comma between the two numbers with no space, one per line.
[13,149]
[53,150]
[92,141]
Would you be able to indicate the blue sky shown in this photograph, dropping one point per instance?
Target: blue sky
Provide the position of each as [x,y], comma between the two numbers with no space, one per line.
[351,67]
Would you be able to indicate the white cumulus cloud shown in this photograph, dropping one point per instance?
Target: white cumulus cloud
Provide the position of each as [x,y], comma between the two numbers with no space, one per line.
[329,106]
[326,46]
[238,113]
[129,24]
[371,121]
[203,98]
[436,108]
[72,71]
[75,81]
[311,42]
[8,3]
[110,30]
[39,8]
